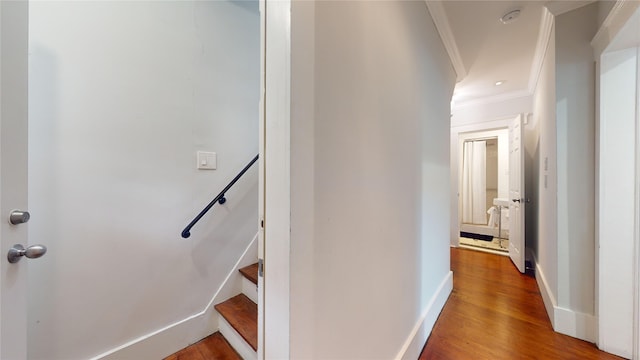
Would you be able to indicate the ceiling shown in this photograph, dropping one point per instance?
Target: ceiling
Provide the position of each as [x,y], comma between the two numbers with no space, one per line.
[491,51]
[484,50]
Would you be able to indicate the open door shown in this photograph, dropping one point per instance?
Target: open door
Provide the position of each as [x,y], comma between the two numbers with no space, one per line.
[516,192]
[13,176]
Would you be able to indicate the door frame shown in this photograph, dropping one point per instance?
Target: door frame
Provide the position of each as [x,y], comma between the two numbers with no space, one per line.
[610,258]
[458,134]
[14,40]
[276,172]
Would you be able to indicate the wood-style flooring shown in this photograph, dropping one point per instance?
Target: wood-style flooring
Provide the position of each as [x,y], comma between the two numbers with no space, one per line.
[212,347]
[495,312]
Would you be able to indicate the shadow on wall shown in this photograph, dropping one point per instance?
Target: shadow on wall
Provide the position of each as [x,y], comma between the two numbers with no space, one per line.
[532,176]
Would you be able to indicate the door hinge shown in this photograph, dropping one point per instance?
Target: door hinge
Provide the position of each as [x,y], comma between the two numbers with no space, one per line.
[260,268]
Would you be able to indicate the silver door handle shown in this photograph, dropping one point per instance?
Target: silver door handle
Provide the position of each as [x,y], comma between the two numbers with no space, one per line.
[32,252]
[19,217]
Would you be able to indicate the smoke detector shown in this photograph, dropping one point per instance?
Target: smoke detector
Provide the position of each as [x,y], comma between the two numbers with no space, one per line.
[510,16]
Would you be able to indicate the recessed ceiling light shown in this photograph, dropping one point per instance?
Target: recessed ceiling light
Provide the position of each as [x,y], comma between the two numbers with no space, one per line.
[510,16]
[500,82]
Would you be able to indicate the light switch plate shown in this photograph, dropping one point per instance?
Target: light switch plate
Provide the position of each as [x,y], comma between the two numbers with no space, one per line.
[207,160]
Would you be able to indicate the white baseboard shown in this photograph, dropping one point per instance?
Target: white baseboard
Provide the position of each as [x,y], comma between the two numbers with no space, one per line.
[421,331]
[250,289]
[236,341]
[565,321]
[547,295]
[174,337]
[576,324]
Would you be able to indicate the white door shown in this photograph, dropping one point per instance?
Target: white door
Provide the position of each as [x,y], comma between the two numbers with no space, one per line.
[13,175]
[516,192]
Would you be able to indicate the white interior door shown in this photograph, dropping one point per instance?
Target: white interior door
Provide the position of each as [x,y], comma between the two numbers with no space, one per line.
[13,175]
[516,192]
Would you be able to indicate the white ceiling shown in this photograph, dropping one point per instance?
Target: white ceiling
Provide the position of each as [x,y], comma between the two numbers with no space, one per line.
[490,50]
[484,50]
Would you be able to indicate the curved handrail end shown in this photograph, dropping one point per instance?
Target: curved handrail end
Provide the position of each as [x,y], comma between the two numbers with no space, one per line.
[185,233]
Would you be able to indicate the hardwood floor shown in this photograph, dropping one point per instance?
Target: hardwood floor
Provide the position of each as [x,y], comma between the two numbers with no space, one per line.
[212,347]
[495,312]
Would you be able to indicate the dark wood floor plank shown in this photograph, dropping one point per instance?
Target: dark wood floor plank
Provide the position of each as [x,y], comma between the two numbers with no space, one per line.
[242,313]
[495,312]
[251,273]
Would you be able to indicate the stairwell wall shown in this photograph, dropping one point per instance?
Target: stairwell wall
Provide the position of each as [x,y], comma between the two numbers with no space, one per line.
[371,87]
[122,95]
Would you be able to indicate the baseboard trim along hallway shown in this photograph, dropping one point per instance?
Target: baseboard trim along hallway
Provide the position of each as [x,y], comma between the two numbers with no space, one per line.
[418,336]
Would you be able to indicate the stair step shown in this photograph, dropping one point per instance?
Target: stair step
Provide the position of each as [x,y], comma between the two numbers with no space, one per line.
[213,347]
[242,314]
[251,273]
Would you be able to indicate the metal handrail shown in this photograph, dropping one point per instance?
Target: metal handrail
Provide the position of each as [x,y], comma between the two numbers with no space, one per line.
[218,199]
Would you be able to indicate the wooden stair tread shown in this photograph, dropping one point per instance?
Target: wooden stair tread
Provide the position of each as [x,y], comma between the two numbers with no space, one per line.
[242,314]
[217,347]
[251,273]
[213,347]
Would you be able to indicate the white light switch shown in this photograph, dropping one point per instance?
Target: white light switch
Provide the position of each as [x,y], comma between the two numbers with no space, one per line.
[207,160]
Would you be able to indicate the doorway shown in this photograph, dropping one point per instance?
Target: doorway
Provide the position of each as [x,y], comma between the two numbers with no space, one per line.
[483,185]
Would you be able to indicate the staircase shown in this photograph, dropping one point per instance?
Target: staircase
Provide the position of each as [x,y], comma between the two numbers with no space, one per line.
[237,337]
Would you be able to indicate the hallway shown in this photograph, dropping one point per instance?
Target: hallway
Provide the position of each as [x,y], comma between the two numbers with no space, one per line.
[494,312]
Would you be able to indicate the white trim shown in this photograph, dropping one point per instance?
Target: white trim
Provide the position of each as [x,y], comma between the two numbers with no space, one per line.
[440,19]
[420,333]
[544,35]
[613,23]
[547,295]
[249,289]
[636,237]
[277,181]
[565,321]
[168,340]
[236,340]
[492,99]
[576,324]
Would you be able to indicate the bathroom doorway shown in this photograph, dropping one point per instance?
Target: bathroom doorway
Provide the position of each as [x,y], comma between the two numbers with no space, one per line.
[483,186]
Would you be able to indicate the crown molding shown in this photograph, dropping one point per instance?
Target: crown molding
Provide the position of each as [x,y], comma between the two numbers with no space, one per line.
[493,98]
[561,7]
[544,35]
[612,24]
[439,16]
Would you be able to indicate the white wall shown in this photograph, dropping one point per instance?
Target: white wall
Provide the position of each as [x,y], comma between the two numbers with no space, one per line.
[122,95]
[490,110]
[616,214]
[374,162]
[544,117]
[575,126]
[564,114]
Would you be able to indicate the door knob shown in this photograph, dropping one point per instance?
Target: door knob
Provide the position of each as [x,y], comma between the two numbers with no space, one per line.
[19,217]
[32,252]
[515,200]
